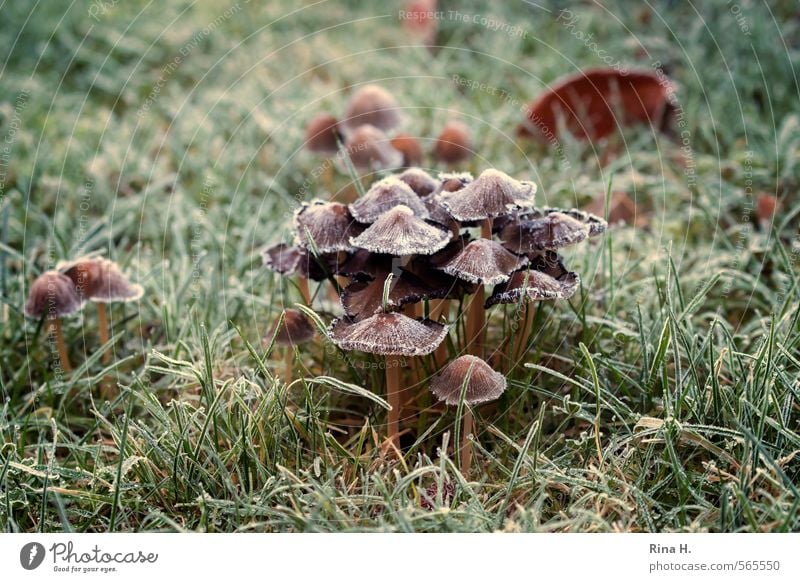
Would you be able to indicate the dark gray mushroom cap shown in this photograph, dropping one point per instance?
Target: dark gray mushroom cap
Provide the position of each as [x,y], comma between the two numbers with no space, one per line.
[490,195]
[100,280]
[420,181]
[438,214]
[372,105]
[286,259]
[553,231]
[385,195]
[546,279]
[484,261]
[483,383]
[295,329]
[399,232]
[388,334]
[52,295]
[369,147]
[329,225]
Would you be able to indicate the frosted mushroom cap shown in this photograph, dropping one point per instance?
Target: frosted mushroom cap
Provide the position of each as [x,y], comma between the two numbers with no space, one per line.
[484,261]
[372,105]
[546,279]
[368,146]
[490,195]
[551,232]
[101,280]
[52,295]
[328,224]
[399,232]
[286,259]
[322,134]
[295,329]
[383,196]
[483,383]
[388,334]
[420,181]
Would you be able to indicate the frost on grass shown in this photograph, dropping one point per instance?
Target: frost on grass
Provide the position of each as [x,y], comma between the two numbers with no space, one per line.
[484,261]
[328,226]
[490,195]
[388,334]
[382,197]
[482,383]
[398,232]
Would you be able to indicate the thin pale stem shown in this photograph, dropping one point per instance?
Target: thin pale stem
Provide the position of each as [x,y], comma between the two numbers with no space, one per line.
[302,282]
[523,334]
[466,444]
[476,320]
[440,307]
[102,324]
[393,381]
[288,361]
[63,356]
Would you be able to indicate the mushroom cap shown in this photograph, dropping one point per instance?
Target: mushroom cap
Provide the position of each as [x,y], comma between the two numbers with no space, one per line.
[100,280]
[410,148]
[490,195]
[328,223]
[365,265]
[372,105]
[52,295]
[388,334]
[483,385]
[295,329]
[453,181]
[484,261]
[596,224]
[552,231]
[286,259]
[322,134]
[547,278]
[420,181]
[398,232]
[368,146]
[385,195]
[438,214]
[454,144]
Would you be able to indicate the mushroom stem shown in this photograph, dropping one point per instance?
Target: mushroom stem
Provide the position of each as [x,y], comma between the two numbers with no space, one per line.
[486,229]
[438,308]
[302,283]
[288,361]
[393,398]
[476,320]
[327,176]
[102,324]
[58,335]
[521,341]
[466,445]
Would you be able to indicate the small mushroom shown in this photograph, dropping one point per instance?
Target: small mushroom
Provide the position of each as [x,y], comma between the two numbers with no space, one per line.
[101,281]
[368,147]
[453,181]
[420,181]
[490,195]
[484,261]
[290,330]
[383,196]
[53,296]
[288,260]
[551,232]
[325,227]
[389,335]
[475,379]
[375,106]
[322,135]
[399,232]
[409,147]
[454,144]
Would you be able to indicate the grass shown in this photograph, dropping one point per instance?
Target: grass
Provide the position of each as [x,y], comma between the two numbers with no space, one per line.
[663,397]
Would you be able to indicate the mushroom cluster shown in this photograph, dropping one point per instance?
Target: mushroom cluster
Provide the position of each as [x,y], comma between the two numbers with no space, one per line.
[415,253]
[64,291]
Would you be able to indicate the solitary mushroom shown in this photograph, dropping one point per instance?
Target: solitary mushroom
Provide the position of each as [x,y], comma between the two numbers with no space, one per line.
[372,105]
[101,281]
[53,296]
[454,144]
[390,335]
[475,379]
[290,330]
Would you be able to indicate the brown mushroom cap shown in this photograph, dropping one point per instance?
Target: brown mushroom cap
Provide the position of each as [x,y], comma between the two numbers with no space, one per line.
[329,225]
[454,144]
[385,195]
[399,232]
[100,280]
[483,383]
[484,261]
[420,181]
[368,146]
[453,181]
[322,134]
[372,105]
[551,232]
[438,214]
[365,265]
[286,259]
[490,195]
[52,295]
[410,148]
[295,329]
[546,279]
[388,334]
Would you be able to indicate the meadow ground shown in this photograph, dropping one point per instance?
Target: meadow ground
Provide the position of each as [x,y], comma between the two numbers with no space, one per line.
[662,397]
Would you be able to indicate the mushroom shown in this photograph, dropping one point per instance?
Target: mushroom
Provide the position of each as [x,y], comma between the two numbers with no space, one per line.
[285,260]
[473,378]
[53,296]
[101,281]
[551,232]
[383,196]
[322,136]
[290,330]
[420,181]
[368,147]
[372,105]
[390,335]
[454,144]
[409,147]
[399,232]
[484,261]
